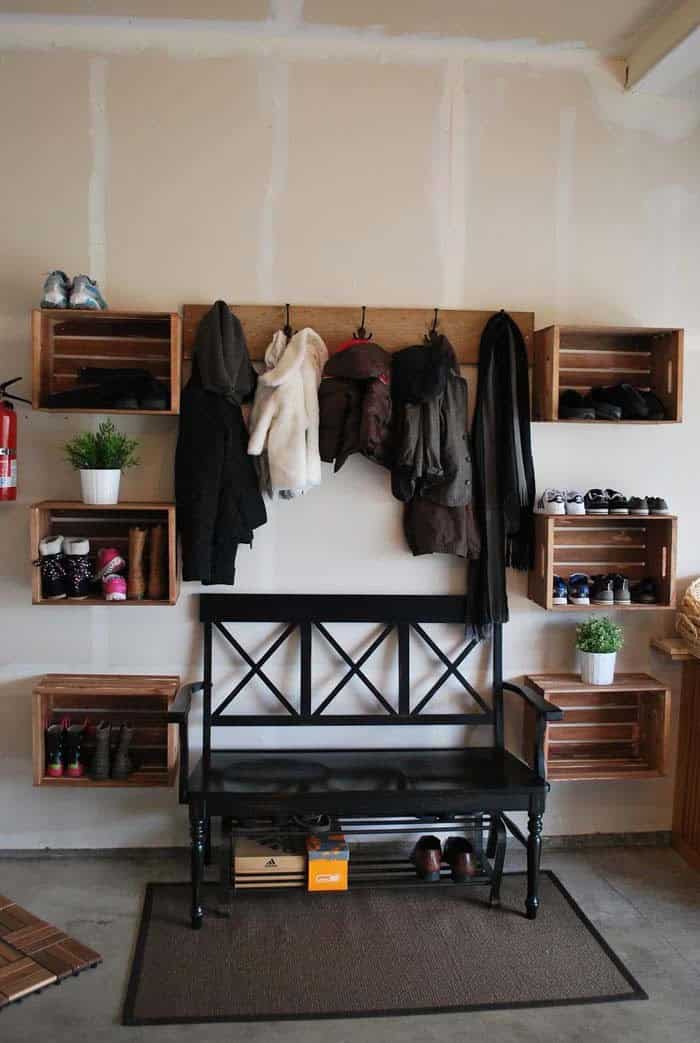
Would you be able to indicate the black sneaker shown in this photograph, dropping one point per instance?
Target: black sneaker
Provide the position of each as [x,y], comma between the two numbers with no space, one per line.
[578,589]
[654,405]
[657,505]
[621,588]
[77,567]
[629,400]
[604,410]
[602,592]
[638,505]
[51,561]
[596,501]
[617,503]
[646,592]
[573,406]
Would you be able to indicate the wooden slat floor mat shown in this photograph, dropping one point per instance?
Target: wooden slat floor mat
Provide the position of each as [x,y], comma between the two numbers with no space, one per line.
[34,954]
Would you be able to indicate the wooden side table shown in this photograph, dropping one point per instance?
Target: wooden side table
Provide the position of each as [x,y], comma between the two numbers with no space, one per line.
[686,804]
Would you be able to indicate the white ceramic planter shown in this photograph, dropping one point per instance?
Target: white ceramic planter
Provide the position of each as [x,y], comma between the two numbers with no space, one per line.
[100,486]
[597,667]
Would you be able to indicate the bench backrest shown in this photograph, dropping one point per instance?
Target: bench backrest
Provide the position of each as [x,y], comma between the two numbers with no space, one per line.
[309,616]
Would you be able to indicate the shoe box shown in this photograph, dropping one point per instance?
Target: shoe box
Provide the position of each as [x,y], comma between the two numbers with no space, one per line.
[319,864]
[277,862]
[328,859]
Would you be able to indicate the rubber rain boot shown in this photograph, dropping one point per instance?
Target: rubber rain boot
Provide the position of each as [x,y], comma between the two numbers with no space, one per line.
[99,765]
[122,765]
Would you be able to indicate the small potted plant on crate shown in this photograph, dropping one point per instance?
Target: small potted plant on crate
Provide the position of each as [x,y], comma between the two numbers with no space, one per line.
[598,641]
[101,456]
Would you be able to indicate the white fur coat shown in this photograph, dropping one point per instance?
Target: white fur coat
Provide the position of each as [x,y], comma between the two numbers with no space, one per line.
[284,417]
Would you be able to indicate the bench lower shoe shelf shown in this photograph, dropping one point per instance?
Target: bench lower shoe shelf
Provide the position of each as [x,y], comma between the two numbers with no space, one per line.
[371,865]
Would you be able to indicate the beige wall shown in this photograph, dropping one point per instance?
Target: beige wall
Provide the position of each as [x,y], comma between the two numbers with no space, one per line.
[311,172]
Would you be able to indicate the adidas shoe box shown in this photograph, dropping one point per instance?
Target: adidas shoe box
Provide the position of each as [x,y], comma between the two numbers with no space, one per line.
[277,862]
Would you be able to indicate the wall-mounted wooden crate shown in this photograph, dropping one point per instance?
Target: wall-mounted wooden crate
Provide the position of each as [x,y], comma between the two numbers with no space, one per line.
[141,700]
[105,525]
[615,731]
[65,341]
[593,544]
[581,357]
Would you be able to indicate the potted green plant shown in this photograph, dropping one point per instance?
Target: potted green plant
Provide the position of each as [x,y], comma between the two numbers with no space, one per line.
[101,456]
[598,641]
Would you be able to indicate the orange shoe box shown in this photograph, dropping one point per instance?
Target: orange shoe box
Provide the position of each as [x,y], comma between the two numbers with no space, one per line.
[328,859]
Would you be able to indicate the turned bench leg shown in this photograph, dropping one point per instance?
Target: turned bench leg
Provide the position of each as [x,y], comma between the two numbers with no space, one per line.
[534,851]
[198,834]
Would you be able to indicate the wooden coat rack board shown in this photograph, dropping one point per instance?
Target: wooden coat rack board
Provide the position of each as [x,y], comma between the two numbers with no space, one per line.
[392,328]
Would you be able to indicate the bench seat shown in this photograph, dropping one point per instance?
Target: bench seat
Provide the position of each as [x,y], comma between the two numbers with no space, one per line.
[377,782]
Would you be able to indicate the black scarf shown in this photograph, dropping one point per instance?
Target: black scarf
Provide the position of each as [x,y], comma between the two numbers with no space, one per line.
[504,476]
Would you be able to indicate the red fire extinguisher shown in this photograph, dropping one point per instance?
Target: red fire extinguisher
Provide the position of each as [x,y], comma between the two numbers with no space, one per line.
[8,441]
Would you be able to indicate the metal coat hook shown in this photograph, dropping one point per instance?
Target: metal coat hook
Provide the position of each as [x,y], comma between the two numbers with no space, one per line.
[432,332]
[287,328]
[361,333]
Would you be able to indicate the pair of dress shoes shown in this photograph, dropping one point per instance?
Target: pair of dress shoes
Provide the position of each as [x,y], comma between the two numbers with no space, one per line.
[428,856]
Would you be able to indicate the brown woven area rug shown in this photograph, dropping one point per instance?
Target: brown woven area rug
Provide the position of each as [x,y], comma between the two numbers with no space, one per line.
[287,955]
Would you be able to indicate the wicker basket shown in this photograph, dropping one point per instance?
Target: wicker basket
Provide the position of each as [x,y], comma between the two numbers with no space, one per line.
[688,618]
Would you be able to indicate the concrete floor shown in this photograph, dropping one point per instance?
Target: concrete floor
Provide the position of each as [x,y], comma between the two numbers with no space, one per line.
[646,902]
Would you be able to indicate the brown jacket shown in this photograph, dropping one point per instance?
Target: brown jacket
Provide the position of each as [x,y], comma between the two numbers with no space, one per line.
[355,405]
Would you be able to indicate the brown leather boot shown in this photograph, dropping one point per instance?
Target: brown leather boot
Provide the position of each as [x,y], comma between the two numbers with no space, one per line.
[460,857]
[427,858]
[136,583]
[156,571]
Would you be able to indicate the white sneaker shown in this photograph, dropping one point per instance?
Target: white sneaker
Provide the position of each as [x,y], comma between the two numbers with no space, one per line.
[552,501]
[574,502]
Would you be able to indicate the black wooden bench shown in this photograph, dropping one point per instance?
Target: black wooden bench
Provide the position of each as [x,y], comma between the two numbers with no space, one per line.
[417,789]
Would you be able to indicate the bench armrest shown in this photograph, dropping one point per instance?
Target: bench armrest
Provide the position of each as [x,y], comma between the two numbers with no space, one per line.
[548,710]
[179,709]
[179,714]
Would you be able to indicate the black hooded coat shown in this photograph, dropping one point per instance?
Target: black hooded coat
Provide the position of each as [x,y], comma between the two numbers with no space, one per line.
[216,486]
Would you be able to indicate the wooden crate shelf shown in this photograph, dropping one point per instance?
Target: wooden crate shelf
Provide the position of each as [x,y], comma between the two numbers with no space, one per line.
[64,341]
[592,544]
[582,357]
[105,525]
[609,732]
[140,699]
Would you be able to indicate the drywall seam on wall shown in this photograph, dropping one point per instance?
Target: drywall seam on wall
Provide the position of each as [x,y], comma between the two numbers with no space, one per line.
[448,189]
[273,87]
[287,12]
[99,171]
[564,189]
[285,31]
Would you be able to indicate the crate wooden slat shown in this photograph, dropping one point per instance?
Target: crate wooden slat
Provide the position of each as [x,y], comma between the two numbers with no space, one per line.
[582,357]
[105,525]
[393,328]
[608,732]
[66,340]
[634,546]
[141,699]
